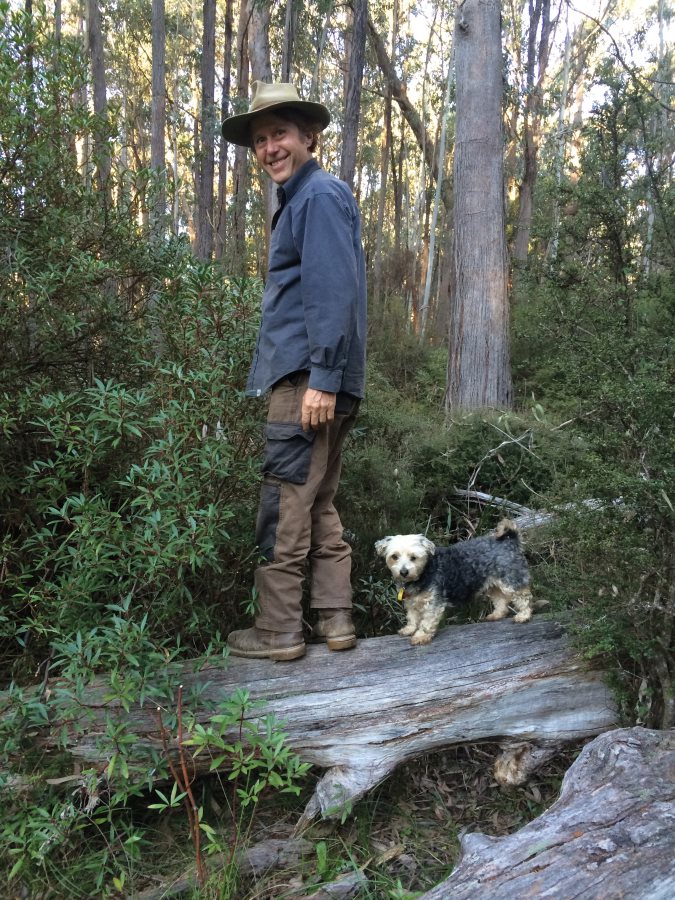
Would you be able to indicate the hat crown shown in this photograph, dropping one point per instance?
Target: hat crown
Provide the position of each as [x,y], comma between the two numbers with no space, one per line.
[264,95]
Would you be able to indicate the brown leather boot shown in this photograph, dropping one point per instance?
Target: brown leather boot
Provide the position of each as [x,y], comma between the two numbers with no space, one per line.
[256,643]
[336,628]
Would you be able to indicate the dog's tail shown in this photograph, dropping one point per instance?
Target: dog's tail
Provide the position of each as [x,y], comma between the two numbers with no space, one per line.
[507,529]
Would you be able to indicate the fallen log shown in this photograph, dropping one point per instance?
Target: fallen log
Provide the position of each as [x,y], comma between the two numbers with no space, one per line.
[361,713]
[611,833]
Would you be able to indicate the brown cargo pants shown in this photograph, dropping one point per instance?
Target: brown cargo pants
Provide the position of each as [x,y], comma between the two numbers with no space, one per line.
[297,521]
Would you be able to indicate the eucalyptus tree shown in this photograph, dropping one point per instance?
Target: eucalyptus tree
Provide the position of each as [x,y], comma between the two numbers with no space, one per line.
[479,371]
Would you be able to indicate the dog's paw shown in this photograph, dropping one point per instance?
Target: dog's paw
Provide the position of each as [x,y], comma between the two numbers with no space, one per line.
[421,637]
[494,616]
[523,617]
[407,630]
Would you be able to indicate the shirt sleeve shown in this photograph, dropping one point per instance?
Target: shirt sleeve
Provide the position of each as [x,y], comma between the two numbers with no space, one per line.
[329,285]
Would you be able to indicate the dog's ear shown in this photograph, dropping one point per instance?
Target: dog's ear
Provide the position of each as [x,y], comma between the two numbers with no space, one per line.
[428,545]
[381,546]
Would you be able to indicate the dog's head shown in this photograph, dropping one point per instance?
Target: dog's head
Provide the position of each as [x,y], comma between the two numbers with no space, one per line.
[406,555]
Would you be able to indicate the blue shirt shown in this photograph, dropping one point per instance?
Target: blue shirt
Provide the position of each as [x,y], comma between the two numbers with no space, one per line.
[314,303]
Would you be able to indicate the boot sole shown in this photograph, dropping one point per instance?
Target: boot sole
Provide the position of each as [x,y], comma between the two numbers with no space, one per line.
[284,654]
[341,643]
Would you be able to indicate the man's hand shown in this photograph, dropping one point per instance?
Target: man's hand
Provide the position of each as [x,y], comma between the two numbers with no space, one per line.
[318,408]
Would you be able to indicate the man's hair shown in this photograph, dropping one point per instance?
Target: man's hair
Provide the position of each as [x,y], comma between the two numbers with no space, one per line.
[288,114]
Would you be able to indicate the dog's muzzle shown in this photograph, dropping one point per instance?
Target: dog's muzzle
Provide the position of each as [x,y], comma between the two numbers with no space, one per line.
[403,572]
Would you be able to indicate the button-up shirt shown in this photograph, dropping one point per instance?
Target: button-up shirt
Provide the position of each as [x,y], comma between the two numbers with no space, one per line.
[314,303]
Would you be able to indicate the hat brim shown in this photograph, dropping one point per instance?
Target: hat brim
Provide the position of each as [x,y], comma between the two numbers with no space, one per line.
[237,129]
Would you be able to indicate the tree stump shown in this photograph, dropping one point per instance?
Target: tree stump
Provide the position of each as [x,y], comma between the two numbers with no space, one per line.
[611,833]
[360,713]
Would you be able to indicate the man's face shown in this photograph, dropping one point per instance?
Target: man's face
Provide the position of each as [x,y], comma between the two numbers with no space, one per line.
[281,147]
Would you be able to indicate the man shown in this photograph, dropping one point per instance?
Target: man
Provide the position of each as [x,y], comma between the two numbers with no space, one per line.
[310,355]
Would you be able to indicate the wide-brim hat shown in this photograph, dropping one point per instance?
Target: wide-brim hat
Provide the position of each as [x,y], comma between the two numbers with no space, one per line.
[267,98]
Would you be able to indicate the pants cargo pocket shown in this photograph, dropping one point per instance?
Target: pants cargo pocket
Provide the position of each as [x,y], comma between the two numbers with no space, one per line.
[288,452]
[268,519]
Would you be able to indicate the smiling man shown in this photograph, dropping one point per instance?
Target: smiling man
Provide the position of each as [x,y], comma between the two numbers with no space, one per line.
[310,361]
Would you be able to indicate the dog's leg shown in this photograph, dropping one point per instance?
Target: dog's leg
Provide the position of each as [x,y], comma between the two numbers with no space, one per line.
[412,614]
[500,602]
[522,601]
[432,613]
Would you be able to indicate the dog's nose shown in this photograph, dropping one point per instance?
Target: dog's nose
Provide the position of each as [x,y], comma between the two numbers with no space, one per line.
[403,571]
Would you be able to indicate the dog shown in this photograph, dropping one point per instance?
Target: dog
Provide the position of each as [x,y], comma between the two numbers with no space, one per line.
[430,579]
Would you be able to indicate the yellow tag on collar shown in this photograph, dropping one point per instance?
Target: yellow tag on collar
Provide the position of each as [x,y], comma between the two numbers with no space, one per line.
[401,594]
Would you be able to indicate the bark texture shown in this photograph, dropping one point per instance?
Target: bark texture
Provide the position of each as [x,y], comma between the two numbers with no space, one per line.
[611,834]
[361,713]
[479,370]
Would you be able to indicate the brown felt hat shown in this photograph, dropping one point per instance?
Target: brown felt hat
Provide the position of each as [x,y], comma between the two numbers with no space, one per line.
[266,98]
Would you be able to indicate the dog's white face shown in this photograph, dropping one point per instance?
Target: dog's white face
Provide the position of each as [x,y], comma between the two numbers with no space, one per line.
[406,555]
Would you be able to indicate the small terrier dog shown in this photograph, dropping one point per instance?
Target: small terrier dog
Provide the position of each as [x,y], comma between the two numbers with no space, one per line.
[431,578]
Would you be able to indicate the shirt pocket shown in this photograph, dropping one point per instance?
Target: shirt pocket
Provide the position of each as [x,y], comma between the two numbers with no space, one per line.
[288,452]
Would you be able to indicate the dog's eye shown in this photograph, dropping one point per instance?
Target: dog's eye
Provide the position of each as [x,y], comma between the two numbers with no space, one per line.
[412,557]
[394,556]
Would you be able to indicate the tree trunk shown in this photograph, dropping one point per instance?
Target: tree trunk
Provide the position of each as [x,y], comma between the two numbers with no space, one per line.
[354,77]
[537,57]
[95,42]
[204,235]
[361,714]
[384,172]
[158,126]
[221,211]
[314,89]
[237,254]
[290,25]
[261,70]
[426,300]
[610,834]
[479,371]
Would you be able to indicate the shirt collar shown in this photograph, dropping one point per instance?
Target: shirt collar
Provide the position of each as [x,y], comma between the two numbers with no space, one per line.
[289,188]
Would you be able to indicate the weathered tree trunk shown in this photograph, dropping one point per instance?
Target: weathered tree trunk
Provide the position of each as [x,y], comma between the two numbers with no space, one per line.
[361,714]
[204,231]
[354,76]
[479,371]
[610,835]
[158,126]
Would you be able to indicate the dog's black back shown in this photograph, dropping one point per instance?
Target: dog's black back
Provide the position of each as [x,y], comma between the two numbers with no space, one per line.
[462,570]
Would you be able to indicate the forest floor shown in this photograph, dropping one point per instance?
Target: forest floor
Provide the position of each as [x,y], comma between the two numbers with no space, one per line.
[401,840]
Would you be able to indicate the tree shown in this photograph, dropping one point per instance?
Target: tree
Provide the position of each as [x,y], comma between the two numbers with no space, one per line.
[479,373]
[158,128]
[354,78]
[204,232]
[95,42]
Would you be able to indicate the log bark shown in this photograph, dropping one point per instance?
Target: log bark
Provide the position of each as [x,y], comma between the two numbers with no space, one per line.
[359,714]
[611,834]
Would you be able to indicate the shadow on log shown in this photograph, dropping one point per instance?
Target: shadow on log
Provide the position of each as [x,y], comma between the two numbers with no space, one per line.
[359,714]
[610,835]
